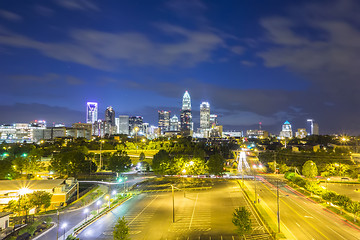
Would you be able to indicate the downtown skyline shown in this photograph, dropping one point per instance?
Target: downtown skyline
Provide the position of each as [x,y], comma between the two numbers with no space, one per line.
[253,63]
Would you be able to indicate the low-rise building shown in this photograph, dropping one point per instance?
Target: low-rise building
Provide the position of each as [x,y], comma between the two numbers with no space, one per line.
[61,190]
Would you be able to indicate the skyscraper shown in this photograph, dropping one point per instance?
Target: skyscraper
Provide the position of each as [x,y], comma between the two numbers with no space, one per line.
[204,115]
[186,125]
[310,126]
[164,121]
[124,124]
[110,115]
[136,125]
[174,123]
[91,112]
[286,130]
[213,120]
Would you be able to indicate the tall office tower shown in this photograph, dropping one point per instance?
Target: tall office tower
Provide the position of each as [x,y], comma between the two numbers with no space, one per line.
[310,126]
[316,129]
[204,115]
[124,124]
[110,115]
[117,125]
[136,125]
[213,120]
[186,126]
[286,130]
[91,112]
[174,123]
[164,121]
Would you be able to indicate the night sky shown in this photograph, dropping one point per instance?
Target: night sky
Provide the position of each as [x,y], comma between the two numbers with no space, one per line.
[252,60]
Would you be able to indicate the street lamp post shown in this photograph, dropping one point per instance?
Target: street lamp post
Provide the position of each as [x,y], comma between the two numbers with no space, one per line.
[254,167]
[184,171]
[101,142]
[173,203]
[108,198]
[64,227]
[58,222]
[86,213]
[278,205]
[98,206]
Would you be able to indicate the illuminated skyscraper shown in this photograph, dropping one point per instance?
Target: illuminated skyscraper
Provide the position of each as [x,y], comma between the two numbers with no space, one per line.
[310,126]
[124,124]
[213,120]
[186,104]
[204,115]
[110,115]
[286,130]
[91,112]
[136,125]
[164,121]
[186,126]
[174,123]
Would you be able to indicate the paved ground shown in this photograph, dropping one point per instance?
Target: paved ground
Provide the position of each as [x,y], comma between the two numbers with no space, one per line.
[345,189]
[302,218]
[200,215]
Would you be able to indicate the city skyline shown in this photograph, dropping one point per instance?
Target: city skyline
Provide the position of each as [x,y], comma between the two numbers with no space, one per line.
[266,63]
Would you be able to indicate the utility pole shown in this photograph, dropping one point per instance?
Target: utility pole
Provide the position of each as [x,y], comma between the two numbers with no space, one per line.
[278,205]
[77,190]
[100,155]
[173,203]
[58,222]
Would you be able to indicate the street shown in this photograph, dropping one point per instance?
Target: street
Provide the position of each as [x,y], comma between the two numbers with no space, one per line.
[302,218]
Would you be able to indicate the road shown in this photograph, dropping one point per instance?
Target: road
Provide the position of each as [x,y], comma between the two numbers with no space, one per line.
[202,214]
[302,218]
[73,217]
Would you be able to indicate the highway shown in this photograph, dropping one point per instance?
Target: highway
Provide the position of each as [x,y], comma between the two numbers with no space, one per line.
[301,218]
[202,214]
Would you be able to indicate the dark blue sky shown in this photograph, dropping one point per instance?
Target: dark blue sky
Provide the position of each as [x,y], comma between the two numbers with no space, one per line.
[267,61]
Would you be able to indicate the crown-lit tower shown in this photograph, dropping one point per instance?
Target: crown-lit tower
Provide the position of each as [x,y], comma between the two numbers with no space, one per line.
[91,112]
[186,117]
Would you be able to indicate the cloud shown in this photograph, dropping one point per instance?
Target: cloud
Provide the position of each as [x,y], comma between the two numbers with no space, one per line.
[237,50]
[44,11]
[10,16]
[27,112]
[320,43]
[191,10]
[83,5]
[103,50]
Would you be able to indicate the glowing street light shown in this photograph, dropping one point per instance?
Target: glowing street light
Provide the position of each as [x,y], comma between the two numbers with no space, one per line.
[86,213]
[108,199]
[63,226]
[98,203]
[191,163]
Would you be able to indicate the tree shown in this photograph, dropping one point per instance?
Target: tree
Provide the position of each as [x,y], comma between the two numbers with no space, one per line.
[119,162]
[216,164]
[142,156]
[241,220]
[40,199]
[309,169]
[121,230]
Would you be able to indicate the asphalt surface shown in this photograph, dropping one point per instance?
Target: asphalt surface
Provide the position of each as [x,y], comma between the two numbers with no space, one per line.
[350,190]
[302,218]
[202,214]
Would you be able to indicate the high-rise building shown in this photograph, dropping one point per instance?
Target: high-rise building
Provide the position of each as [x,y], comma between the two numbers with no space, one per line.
[124,124]
[204,115]
[164,121]
[186,125]
[286,130]
[110,115]
[91,112]
[174,123]
[310,126]
[316,129]
[213,120]
[136,125]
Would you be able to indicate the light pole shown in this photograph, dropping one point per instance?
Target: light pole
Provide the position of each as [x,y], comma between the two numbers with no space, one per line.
[64,227]
[86,213]
[136,129]
[58,222]
[101,142]
[173,203]
[254,167]
[278,205]
[98,205]
[184,171]
[108,198]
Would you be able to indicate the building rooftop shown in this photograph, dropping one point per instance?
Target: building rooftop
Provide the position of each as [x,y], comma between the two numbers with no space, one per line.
[6,185]
[4,214]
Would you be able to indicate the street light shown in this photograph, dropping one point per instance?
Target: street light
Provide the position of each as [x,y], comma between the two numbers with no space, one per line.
[86,213]
[184,171]
[98,203]
[64,225]
[101,142]
[136,129]
[108,198]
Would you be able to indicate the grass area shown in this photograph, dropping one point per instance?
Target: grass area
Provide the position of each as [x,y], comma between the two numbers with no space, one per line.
[178,182]
[148,153]
[33,229]
[266,219]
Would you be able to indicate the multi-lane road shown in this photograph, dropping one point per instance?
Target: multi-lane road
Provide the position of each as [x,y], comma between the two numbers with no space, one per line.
[302,218]
[202,214]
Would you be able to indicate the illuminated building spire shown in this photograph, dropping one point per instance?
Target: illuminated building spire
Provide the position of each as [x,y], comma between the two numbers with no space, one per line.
[186,104]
